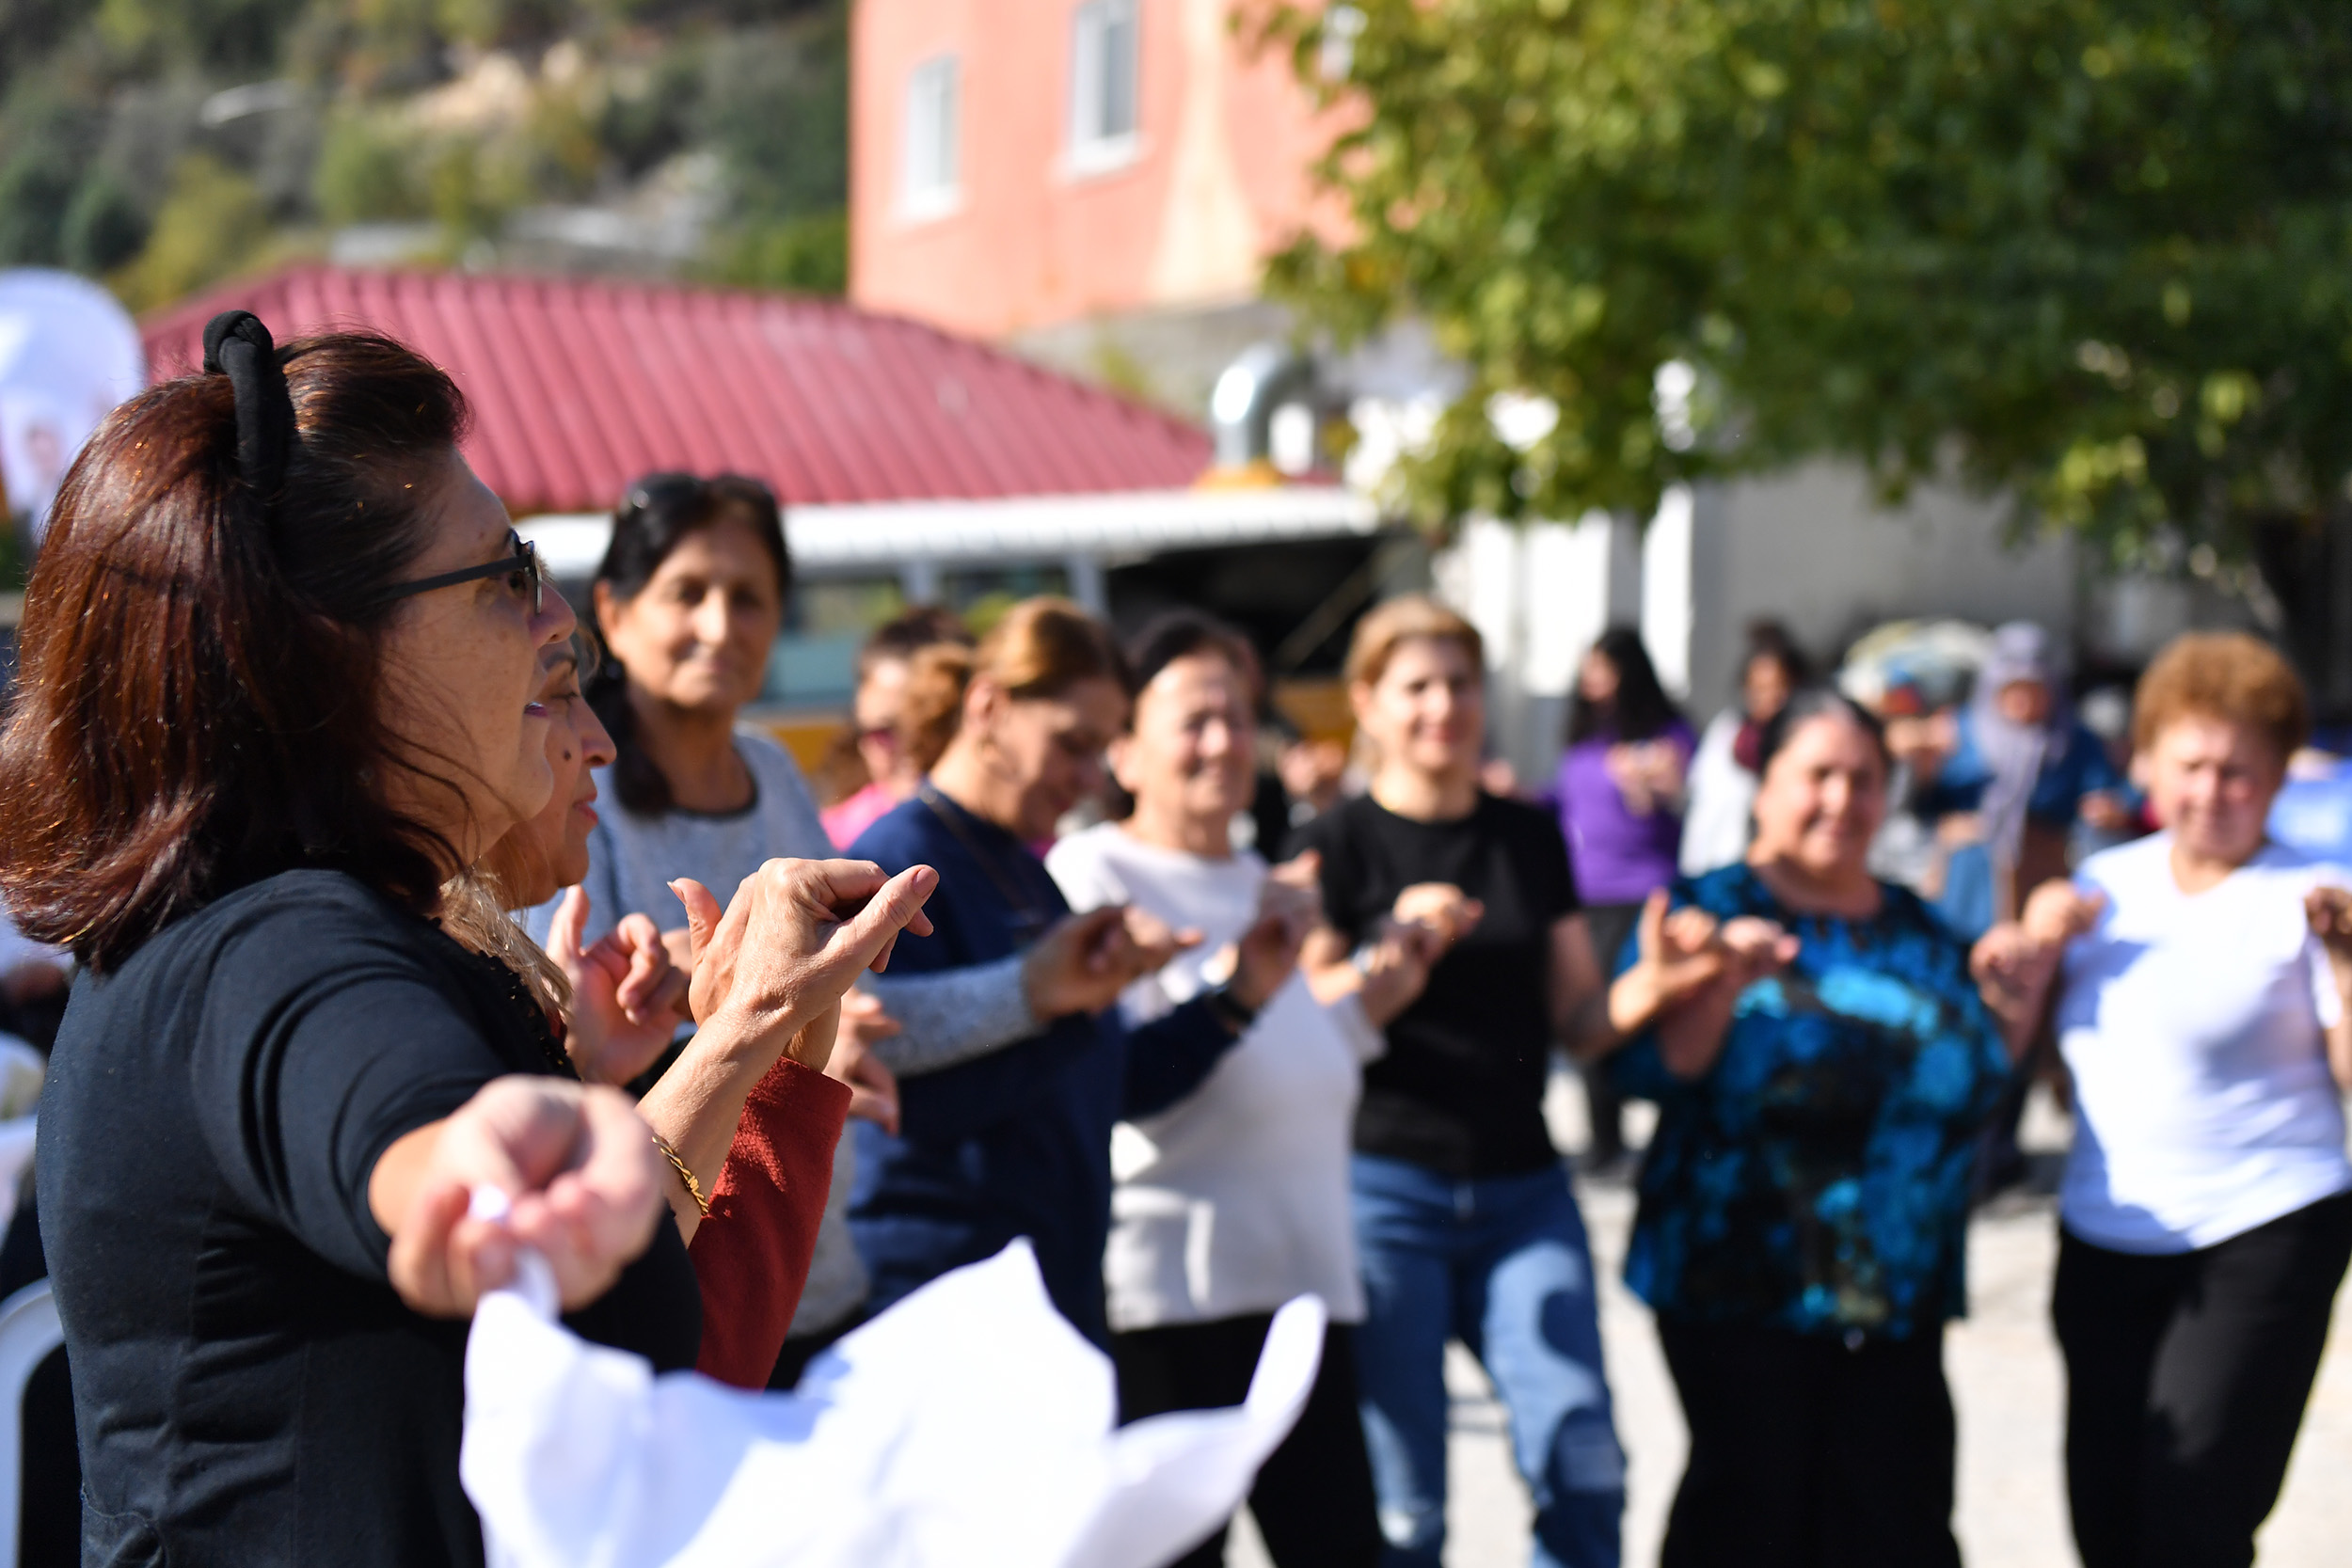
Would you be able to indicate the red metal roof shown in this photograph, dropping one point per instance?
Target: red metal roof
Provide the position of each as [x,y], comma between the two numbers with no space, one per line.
[580,385]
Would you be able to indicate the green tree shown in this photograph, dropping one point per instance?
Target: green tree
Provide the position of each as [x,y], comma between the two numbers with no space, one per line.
[2093,254]
[212,223]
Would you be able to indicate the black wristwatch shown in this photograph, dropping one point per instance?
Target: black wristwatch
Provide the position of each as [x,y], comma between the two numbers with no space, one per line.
[1228,1009]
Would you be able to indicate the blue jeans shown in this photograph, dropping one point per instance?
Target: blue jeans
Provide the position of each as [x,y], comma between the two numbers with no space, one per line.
[1502,1265]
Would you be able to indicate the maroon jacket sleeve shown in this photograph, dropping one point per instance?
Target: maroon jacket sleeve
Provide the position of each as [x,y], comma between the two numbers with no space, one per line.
[751,1255]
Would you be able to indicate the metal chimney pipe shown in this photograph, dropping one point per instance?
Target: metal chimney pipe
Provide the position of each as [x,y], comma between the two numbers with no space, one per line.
[1261,379]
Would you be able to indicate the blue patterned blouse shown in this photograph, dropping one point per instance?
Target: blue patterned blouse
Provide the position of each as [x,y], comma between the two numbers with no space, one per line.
[1816,1178]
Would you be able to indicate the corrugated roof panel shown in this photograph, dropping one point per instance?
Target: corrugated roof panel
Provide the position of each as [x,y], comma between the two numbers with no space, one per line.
[578,384]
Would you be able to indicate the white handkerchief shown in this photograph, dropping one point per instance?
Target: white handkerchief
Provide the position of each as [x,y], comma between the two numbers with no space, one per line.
[969,1426]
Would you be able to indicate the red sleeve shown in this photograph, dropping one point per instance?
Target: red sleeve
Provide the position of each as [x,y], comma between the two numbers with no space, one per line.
[751,1255]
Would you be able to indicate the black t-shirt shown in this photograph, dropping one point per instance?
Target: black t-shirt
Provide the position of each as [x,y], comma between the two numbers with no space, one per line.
[248,1388]
[1461,1088]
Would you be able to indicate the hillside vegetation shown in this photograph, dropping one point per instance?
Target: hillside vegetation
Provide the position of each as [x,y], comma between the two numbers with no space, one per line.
[161,145]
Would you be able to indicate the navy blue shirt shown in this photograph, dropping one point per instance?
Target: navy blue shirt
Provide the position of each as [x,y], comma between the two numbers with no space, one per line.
[1015,1143]
[1816,1178]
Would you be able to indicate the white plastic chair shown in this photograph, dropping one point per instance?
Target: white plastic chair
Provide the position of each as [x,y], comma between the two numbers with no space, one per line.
[29,1330]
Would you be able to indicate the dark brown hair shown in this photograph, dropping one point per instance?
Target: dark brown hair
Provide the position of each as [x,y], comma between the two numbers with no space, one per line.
[197,702]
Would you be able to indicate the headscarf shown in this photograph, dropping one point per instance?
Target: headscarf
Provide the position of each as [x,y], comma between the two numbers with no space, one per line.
[2021,651]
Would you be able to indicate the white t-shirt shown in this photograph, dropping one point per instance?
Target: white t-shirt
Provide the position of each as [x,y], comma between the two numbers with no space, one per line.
[1234,1199]
[2193,1026]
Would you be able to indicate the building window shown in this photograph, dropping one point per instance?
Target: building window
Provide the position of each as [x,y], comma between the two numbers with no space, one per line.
[933,174]
[1103,35]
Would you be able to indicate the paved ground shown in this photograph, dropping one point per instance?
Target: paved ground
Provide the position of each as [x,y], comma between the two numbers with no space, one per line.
[2006,1379]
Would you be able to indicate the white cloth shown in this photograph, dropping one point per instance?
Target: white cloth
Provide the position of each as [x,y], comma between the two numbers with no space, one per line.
[2193,1027]
[632,860]
[1234,1199]
[969,1426]
[1721,793]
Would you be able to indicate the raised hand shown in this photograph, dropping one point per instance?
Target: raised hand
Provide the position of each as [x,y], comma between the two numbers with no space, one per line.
[577,1165]
[626,992]
[2328,909]
[2057,912]
[873,1088]
[1395,966]
[775,963]
[1440,906]
[1688,972]
[1289,905]
[1085,960]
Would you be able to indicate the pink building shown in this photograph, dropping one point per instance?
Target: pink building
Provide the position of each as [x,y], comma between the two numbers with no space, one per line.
[1020,164]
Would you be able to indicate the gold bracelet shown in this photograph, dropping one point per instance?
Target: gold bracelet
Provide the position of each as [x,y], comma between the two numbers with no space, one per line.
[685,1174]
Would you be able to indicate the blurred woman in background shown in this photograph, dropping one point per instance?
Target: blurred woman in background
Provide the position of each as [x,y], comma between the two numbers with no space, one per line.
[1723,772]
[689,601]
[1018,1142]
[1464,1215]
[1233,1199]
[2205,1220]
[1804,1200]
[1620,789]
[893,758]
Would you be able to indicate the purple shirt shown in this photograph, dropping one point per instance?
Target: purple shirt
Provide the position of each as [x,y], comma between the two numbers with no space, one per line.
[1620,858]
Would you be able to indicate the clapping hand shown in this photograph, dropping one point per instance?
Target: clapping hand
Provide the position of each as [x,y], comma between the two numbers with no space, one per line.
[1085,961]
[775,963]
[1445,909]
[1688,972]
[1289,905]
[873,1088]
[626,992]
[2329,911]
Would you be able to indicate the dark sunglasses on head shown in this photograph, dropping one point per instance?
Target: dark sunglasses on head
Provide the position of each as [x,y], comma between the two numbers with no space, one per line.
[659,492]
[522,566]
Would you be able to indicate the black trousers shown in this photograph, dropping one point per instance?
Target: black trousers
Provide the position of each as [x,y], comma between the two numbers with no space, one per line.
[1312,1501]
[2187,1377]
[1805,1453]
[1608,926]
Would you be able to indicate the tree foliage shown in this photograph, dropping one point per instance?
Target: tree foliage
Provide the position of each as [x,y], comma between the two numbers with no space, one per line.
[2094,253]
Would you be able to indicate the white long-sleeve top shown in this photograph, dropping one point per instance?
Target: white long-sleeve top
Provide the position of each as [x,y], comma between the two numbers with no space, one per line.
[1234,1199]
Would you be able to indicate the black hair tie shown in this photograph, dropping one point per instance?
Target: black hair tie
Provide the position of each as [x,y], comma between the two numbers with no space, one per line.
[237,345]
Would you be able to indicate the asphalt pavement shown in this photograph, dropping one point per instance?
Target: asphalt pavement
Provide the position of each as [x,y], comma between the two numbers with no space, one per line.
[2007,1382]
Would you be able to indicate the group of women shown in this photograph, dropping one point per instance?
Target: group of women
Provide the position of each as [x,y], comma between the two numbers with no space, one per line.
[300,721]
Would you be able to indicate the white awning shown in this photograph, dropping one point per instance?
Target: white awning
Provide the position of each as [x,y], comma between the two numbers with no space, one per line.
[890,534]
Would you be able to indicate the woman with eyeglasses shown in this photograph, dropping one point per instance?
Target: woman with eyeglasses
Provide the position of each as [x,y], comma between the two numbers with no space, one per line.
[280,681]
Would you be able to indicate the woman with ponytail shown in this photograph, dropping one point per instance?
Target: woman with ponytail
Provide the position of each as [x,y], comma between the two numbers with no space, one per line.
[280,674]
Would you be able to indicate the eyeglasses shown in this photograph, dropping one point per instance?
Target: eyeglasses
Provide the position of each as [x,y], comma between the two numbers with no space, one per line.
[658,491]
[522,569]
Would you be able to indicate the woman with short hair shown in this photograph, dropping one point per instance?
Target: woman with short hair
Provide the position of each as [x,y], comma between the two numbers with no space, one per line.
[1802,1227]
[1018,1142]
[2205,1219]
[1233,1199]
[280,666]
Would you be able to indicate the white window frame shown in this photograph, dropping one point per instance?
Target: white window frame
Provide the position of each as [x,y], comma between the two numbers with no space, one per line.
[1105,42]
[931,164]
